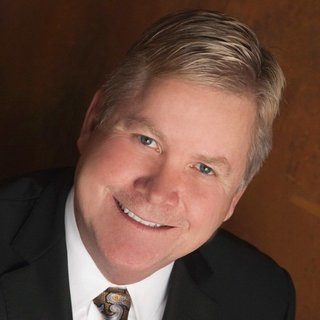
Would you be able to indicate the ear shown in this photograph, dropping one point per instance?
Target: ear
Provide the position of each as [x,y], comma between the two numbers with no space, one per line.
[90,121]
[234,201]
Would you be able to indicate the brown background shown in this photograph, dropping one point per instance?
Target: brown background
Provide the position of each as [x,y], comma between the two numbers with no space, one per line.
[54,55]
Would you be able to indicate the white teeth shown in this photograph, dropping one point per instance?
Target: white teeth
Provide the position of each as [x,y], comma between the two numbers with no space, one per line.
[138,219]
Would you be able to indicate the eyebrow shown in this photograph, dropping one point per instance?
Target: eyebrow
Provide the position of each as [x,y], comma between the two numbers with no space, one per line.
[133,122]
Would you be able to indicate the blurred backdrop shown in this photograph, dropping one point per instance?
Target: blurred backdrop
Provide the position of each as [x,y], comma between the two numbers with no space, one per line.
[55,54]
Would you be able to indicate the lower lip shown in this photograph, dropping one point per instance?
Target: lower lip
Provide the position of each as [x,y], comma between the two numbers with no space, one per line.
[140,225]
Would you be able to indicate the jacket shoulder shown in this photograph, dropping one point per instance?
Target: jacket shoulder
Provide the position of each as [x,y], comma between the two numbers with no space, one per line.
[27,187]
[229,248]
[18,196]
[243,275]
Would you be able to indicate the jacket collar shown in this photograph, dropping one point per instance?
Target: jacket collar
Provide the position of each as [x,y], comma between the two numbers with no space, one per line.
[40,289]
[45,224]
[187,296]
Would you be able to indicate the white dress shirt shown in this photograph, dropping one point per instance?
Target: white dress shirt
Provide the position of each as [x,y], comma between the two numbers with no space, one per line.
[86,281]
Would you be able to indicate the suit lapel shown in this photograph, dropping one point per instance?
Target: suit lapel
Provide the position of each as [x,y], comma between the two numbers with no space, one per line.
[40,289]
[187,299]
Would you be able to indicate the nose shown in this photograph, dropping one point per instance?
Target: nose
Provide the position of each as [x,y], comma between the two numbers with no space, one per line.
[160,187]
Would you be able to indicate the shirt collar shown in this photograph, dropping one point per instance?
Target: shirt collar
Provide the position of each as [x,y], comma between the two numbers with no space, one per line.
[86,281]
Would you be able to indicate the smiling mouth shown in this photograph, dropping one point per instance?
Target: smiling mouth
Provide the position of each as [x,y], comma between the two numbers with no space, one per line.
[136,218]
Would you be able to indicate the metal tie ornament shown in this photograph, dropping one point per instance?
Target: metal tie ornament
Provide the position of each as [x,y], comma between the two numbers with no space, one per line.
[114,303]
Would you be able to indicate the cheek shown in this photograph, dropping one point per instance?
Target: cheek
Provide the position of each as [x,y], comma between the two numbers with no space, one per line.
[208,211]
[115,158]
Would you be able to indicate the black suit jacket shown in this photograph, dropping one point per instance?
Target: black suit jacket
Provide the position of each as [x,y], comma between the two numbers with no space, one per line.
[226,279]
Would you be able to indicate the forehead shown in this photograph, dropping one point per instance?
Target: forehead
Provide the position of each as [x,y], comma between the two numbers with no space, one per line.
[191,103]
[198,117]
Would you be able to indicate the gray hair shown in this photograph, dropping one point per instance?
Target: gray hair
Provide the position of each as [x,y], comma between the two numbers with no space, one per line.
[209,48]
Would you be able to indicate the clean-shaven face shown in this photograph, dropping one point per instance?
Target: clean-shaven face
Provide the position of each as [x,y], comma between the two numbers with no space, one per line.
[159,182]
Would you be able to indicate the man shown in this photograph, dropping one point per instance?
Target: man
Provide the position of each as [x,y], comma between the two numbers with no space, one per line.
[167,148]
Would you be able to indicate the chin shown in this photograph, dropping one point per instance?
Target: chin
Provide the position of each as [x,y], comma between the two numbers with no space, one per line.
[125,267]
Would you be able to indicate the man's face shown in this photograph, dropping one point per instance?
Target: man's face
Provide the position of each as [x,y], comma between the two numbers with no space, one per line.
[158,183]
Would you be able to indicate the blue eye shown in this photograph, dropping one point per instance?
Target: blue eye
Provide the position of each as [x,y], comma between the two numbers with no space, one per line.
[204,169]
[147,141]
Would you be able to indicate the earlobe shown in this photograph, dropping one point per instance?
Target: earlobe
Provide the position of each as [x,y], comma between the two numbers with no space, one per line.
[90,121]
[233,204]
